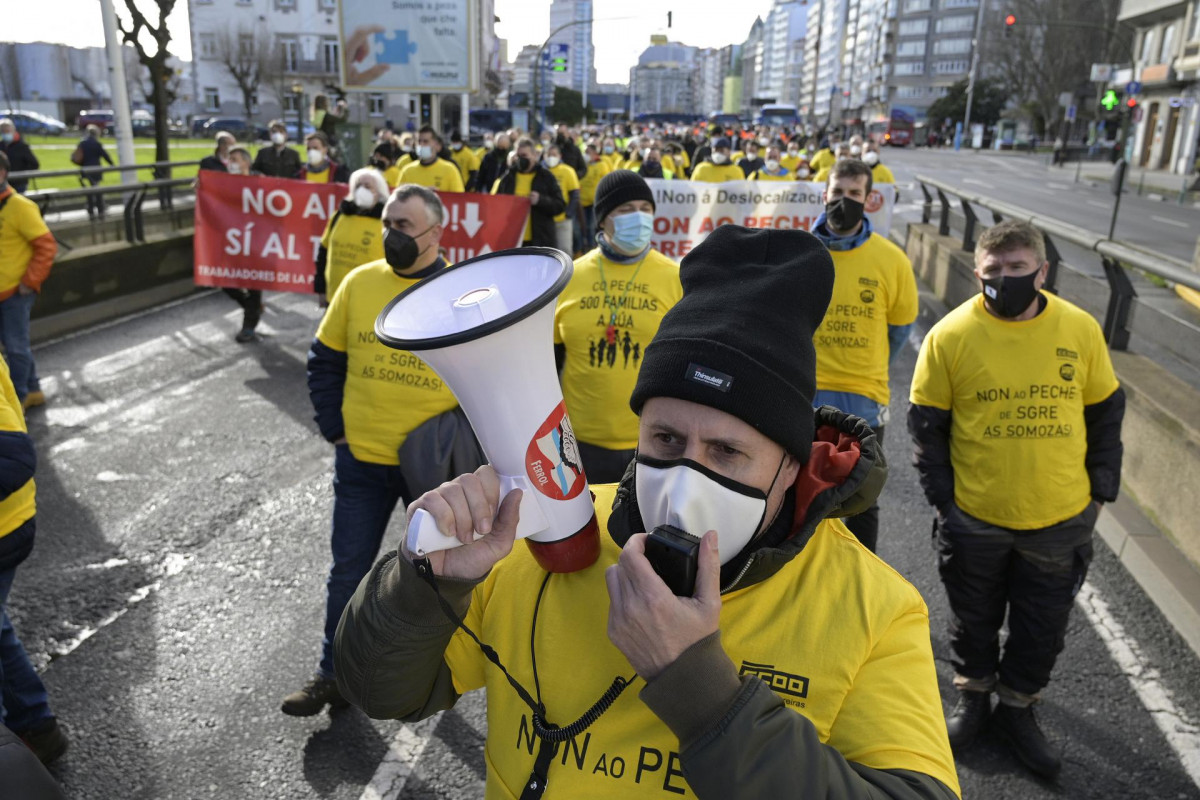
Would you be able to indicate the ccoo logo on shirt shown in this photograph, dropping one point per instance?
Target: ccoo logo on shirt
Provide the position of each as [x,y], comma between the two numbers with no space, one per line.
[790,686]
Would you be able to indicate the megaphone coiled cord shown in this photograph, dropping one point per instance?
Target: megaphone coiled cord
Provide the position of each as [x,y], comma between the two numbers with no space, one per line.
[543,729]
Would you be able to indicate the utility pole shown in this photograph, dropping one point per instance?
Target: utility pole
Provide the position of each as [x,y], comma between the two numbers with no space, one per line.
[119,91]
[971,76]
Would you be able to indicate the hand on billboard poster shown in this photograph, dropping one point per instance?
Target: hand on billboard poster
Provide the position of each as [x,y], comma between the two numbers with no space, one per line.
[359,48]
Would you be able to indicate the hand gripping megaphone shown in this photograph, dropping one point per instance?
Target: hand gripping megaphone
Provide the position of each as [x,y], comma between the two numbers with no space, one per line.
[485,325]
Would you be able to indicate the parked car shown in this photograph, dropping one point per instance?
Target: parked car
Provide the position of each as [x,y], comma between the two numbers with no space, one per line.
[101,118]
[198,124]
[143,123]
[31,122]
[238,127]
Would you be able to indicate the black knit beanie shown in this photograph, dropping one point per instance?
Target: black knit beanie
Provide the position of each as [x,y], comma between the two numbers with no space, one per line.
[741,338]
[618,187]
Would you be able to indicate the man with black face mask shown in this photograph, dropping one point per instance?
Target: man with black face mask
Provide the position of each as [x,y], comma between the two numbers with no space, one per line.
[493,164]
[1016,417]
[530,178]
[368,399]
[874,306]
[799,666]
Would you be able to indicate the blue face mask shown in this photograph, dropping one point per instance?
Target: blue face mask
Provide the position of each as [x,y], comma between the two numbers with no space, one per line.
[632,232]
[7,138]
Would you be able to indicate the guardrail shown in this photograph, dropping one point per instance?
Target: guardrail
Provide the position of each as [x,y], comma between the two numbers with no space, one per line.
[1114,256]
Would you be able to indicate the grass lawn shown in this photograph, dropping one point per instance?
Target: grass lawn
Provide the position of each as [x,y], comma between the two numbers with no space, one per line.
[54,153]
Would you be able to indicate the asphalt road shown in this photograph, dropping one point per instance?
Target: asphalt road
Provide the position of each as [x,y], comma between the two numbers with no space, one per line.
[175,593]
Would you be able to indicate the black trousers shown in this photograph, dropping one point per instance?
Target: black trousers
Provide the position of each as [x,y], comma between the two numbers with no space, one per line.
[865,526]
[251,302]
[602,465]
[1032,575]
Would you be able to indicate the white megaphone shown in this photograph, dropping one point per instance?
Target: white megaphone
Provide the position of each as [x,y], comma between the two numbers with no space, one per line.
[485,325]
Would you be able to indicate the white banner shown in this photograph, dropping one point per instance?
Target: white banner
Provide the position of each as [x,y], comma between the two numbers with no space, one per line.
[409,45]
[686,212]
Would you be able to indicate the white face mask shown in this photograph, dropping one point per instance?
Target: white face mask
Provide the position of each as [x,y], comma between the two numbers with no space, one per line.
[764,141]
[456,147]
[719,158]
[553,161]
[316,157]
[235,169]
[364,197]
[772,165]
[855,150]
[871,157]
[424,152]
[802,172]
[793,152]
[696,500]
[645,153]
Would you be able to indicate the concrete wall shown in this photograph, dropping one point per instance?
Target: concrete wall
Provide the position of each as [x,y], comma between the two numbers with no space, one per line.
[1162,416]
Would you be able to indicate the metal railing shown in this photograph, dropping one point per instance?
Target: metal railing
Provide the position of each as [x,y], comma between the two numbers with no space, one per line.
[133,195]
[1115,256]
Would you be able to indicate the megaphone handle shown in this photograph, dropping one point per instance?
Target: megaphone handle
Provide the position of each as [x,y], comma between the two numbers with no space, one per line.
[424,537]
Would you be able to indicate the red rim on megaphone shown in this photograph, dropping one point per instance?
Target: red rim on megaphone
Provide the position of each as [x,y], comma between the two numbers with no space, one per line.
[485,326]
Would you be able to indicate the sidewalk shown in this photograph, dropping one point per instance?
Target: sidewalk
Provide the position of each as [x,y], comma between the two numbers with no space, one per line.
[1154,184]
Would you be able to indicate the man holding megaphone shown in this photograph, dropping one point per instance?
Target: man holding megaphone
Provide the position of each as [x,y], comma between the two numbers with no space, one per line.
[798,665]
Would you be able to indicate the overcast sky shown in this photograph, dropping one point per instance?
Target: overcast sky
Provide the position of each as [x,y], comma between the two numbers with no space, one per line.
[620,33]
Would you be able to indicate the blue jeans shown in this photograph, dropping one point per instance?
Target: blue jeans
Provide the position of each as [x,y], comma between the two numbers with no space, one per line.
[364,496]
[24,700]
[589,229]
[14,335]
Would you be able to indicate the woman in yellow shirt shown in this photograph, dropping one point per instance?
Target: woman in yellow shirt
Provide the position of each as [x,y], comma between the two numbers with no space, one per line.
[354,235]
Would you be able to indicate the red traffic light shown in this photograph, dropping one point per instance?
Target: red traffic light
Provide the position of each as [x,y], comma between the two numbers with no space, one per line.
[1131,102]
[1011,19]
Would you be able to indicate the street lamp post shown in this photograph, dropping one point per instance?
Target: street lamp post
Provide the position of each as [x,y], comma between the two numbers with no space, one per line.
[298,93]
[539,100]
[971,77]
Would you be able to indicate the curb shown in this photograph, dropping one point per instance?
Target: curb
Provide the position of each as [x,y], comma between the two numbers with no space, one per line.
[1148,555]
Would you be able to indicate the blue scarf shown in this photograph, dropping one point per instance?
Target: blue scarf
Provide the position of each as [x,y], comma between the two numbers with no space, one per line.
[612,255]
[834,242]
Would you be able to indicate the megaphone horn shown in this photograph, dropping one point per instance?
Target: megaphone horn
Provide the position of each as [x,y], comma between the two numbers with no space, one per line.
[485,326]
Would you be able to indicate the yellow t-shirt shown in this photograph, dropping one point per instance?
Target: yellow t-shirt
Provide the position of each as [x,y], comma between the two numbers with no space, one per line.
[823,174]
[1016,392]
[467,162]
[403,161]
[391,176]
[824,158]
[873,287]
[441,174]
[388,392]
[615,160]
[20,223]
[21,505]
[350,240]
[568,182]
[850,633]
[598,376]
[763,175]
[589,182]
[881,174]
[709,172]
[790,162]
[324,176]
[522,188]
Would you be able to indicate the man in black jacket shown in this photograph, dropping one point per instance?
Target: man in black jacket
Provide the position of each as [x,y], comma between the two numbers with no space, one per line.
[528,178]
[571,155]
[278,160]
[219,160]
[1016,418]
[493,164]
[20,157]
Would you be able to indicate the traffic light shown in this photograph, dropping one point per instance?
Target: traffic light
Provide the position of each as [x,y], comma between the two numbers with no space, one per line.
[1109,101]
[1009,22]
[1131,103]
[558,65]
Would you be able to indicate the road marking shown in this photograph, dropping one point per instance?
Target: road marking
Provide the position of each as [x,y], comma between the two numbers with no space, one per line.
[1098,204]
[1181,733]
[1176,223]
[984,184]
[1059,186]
[400,760]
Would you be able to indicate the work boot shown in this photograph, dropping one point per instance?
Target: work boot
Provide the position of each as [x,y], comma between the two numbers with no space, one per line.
[968,717]
[33,400]
[1019,728]
[46,740]
[313,697]
[245,336]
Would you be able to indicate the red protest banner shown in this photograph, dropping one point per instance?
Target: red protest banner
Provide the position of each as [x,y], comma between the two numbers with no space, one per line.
[254,232]
[263,233]
[480,223]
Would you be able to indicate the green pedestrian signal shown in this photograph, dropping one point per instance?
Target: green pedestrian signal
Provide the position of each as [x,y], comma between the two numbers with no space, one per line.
[1110,100]
[558,65]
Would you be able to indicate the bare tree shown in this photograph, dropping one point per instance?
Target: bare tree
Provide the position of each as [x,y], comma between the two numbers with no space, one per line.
[1050,50]
[250,60]
[150,42]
